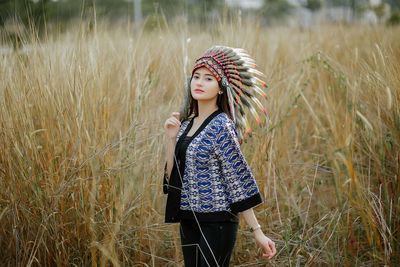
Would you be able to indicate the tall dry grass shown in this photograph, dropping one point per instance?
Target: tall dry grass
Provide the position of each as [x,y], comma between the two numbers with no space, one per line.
[81,147]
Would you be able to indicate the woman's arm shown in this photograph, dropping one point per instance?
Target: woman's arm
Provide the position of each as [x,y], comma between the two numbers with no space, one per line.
[171,126]
[267,244]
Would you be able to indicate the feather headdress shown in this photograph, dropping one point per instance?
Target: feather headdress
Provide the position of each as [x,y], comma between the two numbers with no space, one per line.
[236,74]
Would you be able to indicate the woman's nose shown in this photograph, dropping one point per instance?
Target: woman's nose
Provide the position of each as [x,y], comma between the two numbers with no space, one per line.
[199,82]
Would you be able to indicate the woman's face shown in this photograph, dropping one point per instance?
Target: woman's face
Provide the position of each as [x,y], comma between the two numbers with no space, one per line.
[204,86]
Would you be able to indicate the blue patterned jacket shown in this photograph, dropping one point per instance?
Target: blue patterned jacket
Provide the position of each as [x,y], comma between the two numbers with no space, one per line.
[217,182]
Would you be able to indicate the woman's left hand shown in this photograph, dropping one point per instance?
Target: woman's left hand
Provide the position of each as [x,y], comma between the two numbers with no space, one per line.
[267,244]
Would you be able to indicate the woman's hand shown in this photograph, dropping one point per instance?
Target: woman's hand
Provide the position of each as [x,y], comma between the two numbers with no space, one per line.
[172,125]
[267,244]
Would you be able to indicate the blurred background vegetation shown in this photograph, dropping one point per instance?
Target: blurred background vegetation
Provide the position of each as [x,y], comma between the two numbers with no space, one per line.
[39,13]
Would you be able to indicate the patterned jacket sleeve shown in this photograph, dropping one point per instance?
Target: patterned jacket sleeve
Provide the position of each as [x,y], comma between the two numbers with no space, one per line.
[241,186]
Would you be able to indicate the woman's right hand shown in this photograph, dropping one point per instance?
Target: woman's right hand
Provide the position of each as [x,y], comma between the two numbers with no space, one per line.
[172,125]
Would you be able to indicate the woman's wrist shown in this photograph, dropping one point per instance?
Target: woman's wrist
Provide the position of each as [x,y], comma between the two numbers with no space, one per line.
[254,228]
[258,232]
[169,138]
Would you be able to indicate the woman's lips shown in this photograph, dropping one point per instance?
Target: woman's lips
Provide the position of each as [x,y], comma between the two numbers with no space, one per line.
[198,91]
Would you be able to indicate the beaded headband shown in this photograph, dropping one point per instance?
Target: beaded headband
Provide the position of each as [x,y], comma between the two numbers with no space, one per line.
[237,75]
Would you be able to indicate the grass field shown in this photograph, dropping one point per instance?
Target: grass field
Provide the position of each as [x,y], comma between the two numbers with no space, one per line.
[81,144]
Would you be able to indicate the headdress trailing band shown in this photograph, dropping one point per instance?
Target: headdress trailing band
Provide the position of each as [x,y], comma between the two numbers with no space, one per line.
[237,74]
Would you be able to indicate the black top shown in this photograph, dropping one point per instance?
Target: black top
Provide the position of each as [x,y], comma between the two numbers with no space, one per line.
[183,147]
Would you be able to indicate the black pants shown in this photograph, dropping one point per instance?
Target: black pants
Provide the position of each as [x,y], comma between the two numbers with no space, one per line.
[212,246]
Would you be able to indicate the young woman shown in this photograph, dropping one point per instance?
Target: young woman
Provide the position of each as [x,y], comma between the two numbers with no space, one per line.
[207,179]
